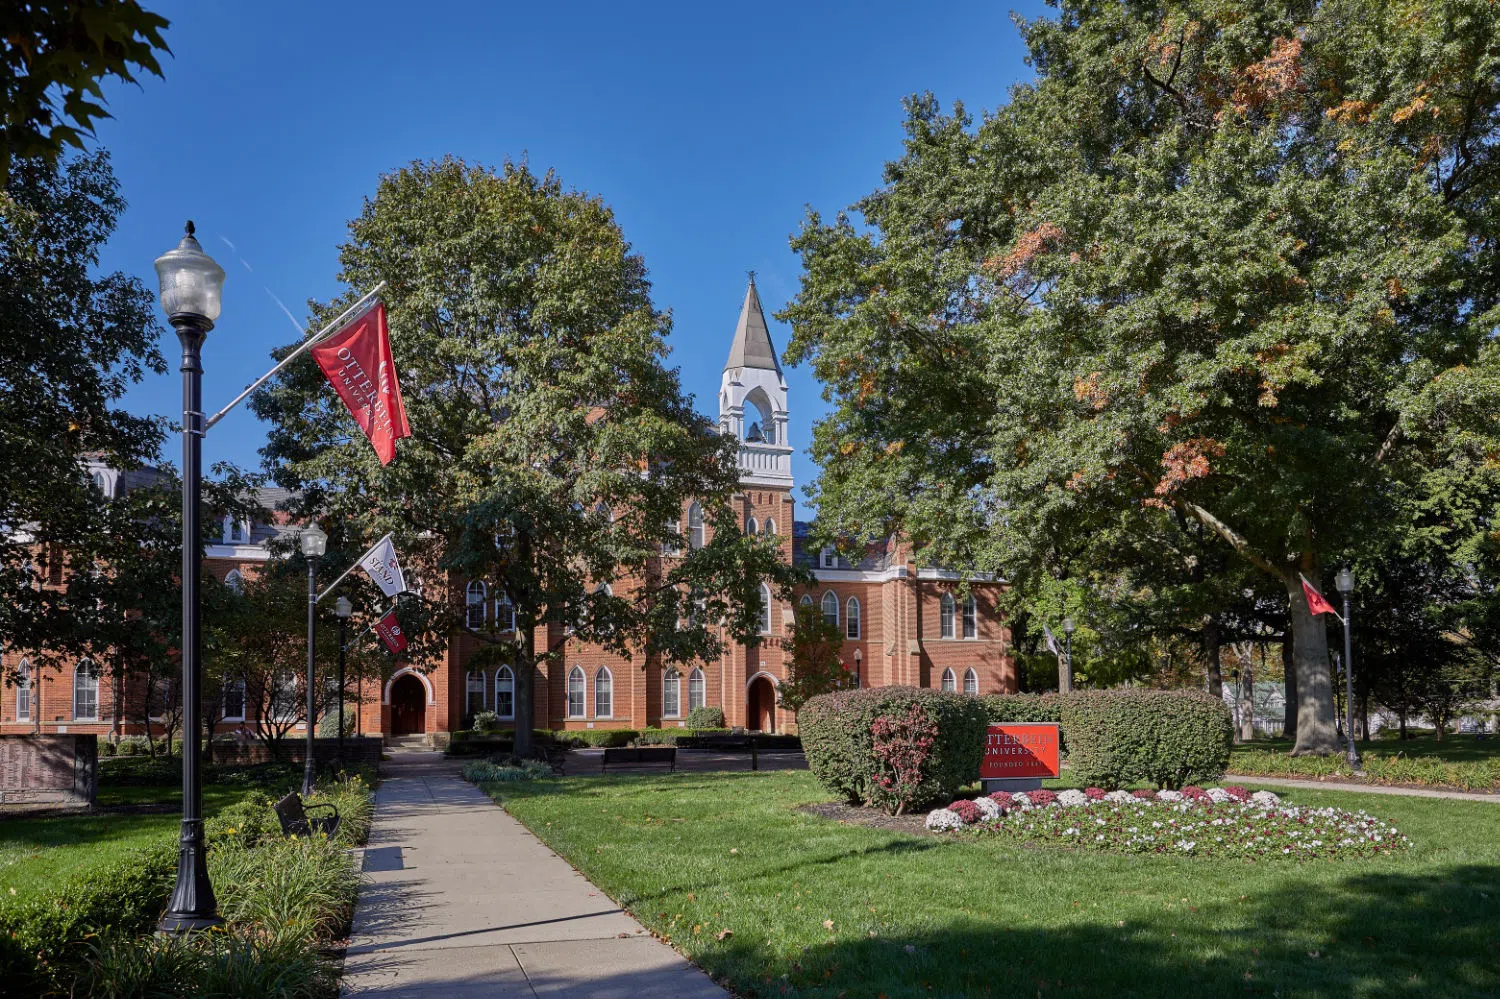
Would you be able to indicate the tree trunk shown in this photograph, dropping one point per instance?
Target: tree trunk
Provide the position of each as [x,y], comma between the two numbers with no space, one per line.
[1211,655]
[1316,735]
[1289,684]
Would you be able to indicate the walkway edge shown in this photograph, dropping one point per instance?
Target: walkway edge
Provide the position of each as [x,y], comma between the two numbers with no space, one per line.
[1410,792]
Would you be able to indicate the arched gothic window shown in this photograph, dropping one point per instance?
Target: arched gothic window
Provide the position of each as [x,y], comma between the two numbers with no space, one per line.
[575,692]
[604,693]
[831,608]
[949,680]
[695,526]
[770,528]
[475,689]
[505,614]
[971,681]
[971,617]
[86,691]
[945,616]
[806,600]
[752,527]
[671,693]
[234,581]
[474,616]
[851,618]
[505,692]
[765,609]
[23,691]
[696,688]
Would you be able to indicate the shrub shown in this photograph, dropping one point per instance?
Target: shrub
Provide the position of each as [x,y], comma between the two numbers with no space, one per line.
[106,748]
[1025,709]
[836,736]
[486,721]
[239,964]
[512,769]
[291,888]
[596,737]
[671,736]
[705,717]
[1164,737]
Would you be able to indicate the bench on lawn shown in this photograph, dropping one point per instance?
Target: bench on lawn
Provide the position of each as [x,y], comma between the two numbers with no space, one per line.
[296,822]
[640,756]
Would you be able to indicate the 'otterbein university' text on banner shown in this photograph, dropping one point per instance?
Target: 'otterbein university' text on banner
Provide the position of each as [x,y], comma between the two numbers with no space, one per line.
[357,362]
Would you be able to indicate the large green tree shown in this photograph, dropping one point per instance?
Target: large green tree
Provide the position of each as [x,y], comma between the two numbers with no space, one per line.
[1233,262]
[72,340]
[553,454]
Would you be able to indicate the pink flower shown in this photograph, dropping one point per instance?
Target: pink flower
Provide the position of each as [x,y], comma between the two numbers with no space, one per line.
[1237,793]
[1003,799]
[1144,793]
[1094,793]
[1194,793]
[966,810]
[1041,797]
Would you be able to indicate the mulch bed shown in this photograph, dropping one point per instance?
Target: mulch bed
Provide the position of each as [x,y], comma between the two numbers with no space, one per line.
[874,818]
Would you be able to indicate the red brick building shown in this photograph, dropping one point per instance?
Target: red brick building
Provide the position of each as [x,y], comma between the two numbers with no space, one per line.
[904,625]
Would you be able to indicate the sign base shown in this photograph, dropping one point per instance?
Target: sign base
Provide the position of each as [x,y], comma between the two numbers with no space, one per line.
[1011,784]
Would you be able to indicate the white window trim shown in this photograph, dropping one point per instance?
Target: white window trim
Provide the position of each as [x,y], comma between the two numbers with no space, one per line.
[770,527]
[511,714]
[823,606]
[766,610]
[673,676]
[828,558]
[469,692]
[697,533]
[970,613]
[577,671]
[853,619]
[752,527]
[79,671]
[470,603]
[244,694]
[25,687]
[947,617]
[948,682]
[971,674]
[508,621]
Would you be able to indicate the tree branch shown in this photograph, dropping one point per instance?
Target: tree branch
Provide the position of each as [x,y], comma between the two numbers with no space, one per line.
[1236,540]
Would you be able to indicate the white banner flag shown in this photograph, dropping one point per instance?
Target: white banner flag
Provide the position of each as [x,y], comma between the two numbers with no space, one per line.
[1050,641]
[380,564]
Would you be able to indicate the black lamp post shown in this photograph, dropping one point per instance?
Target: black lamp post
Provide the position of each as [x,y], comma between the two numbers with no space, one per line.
[342,608]
[190,284]
[314,543]
[1067,679]
[1344,581]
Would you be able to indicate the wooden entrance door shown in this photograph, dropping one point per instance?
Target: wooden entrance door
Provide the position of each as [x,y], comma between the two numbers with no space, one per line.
[408,706]
[760,706]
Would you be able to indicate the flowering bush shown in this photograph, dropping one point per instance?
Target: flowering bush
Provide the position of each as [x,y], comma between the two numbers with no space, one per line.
[1003,799]
[901,746]
[1096,793]
[1195,827]
[1040,797]
[1193,793]
[988,809]
[1119,796]
[967,811]
[943,820]
[1071,797]
[1219,795]
[1236,793]
[1144,794]
[1021,799]
[1168,795]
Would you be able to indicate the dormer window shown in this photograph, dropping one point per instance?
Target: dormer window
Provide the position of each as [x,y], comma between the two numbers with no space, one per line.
[236,531]
[829,558]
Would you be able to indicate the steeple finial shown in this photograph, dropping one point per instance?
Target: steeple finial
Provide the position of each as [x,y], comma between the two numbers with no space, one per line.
[752,346]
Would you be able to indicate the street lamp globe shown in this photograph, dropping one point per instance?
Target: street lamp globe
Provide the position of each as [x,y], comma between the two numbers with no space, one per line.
[314,541]
[190,281]
[342,607]
[1344,581]
[1068,625]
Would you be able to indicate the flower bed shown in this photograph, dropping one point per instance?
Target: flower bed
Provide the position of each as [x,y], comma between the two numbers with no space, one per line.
[1224,822]
[1377,768]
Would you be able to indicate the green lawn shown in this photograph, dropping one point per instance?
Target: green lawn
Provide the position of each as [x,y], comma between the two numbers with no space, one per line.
[815,908]
[1451,748]
[36,851]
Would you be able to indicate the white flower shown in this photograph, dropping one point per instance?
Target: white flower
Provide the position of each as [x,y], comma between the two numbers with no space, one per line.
[1020,800]
[1168,795]
[1218,794]
[1121,797]
[1265,799]
[941,820]
[987,809]
[1072,797]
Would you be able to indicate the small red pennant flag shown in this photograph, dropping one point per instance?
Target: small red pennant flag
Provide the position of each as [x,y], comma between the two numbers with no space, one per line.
[1315,602]
[390,633]
[357,362]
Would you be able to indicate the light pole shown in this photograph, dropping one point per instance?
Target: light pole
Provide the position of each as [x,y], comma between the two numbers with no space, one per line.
[342,608]
[1066,677]
[314,544]
[191,284]
[1344,581]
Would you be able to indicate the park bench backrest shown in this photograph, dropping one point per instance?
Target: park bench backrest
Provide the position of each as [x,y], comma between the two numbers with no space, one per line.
[293,818]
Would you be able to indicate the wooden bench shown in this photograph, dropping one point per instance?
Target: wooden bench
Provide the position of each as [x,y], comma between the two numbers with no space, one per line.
[295,820]
[640,756]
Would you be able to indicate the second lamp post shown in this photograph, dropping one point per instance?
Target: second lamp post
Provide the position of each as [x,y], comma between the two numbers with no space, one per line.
[1344,581]
[1065,679]
[314,544]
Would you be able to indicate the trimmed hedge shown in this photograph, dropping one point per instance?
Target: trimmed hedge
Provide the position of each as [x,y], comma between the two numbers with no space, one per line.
[671,736]
[596,737]
[1169,738]
[1027,709]
[705,717]
[835,731]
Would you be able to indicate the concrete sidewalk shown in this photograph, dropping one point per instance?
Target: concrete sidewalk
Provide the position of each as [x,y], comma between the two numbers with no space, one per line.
[460,900]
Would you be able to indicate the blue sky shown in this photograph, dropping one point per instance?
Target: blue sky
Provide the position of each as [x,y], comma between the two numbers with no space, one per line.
[707,127]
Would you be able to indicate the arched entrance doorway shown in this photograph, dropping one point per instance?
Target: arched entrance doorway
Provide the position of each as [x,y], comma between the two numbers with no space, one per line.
[760,705]
[408,706]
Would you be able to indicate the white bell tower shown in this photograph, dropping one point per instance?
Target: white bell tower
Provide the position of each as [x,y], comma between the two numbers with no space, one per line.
[752,400]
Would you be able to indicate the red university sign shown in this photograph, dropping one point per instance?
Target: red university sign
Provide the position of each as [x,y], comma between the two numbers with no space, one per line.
[1020,751]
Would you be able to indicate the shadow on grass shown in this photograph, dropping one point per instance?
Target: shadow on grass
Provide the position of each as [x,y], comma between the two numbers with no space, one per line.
[1370,935]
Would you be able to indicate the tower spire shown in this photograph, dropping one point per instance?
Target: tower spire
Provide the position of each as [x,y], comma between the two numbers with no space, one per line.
[752,346]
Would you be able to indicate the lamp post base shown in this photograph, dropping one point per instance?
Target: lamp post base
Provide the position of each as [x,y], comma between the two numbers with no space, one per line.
[193,906]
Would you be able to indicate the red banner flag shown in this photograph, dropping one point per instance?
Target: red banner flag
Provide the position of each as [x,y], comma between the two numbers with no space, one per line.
[357,362]
[390,633]
[1315,602]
